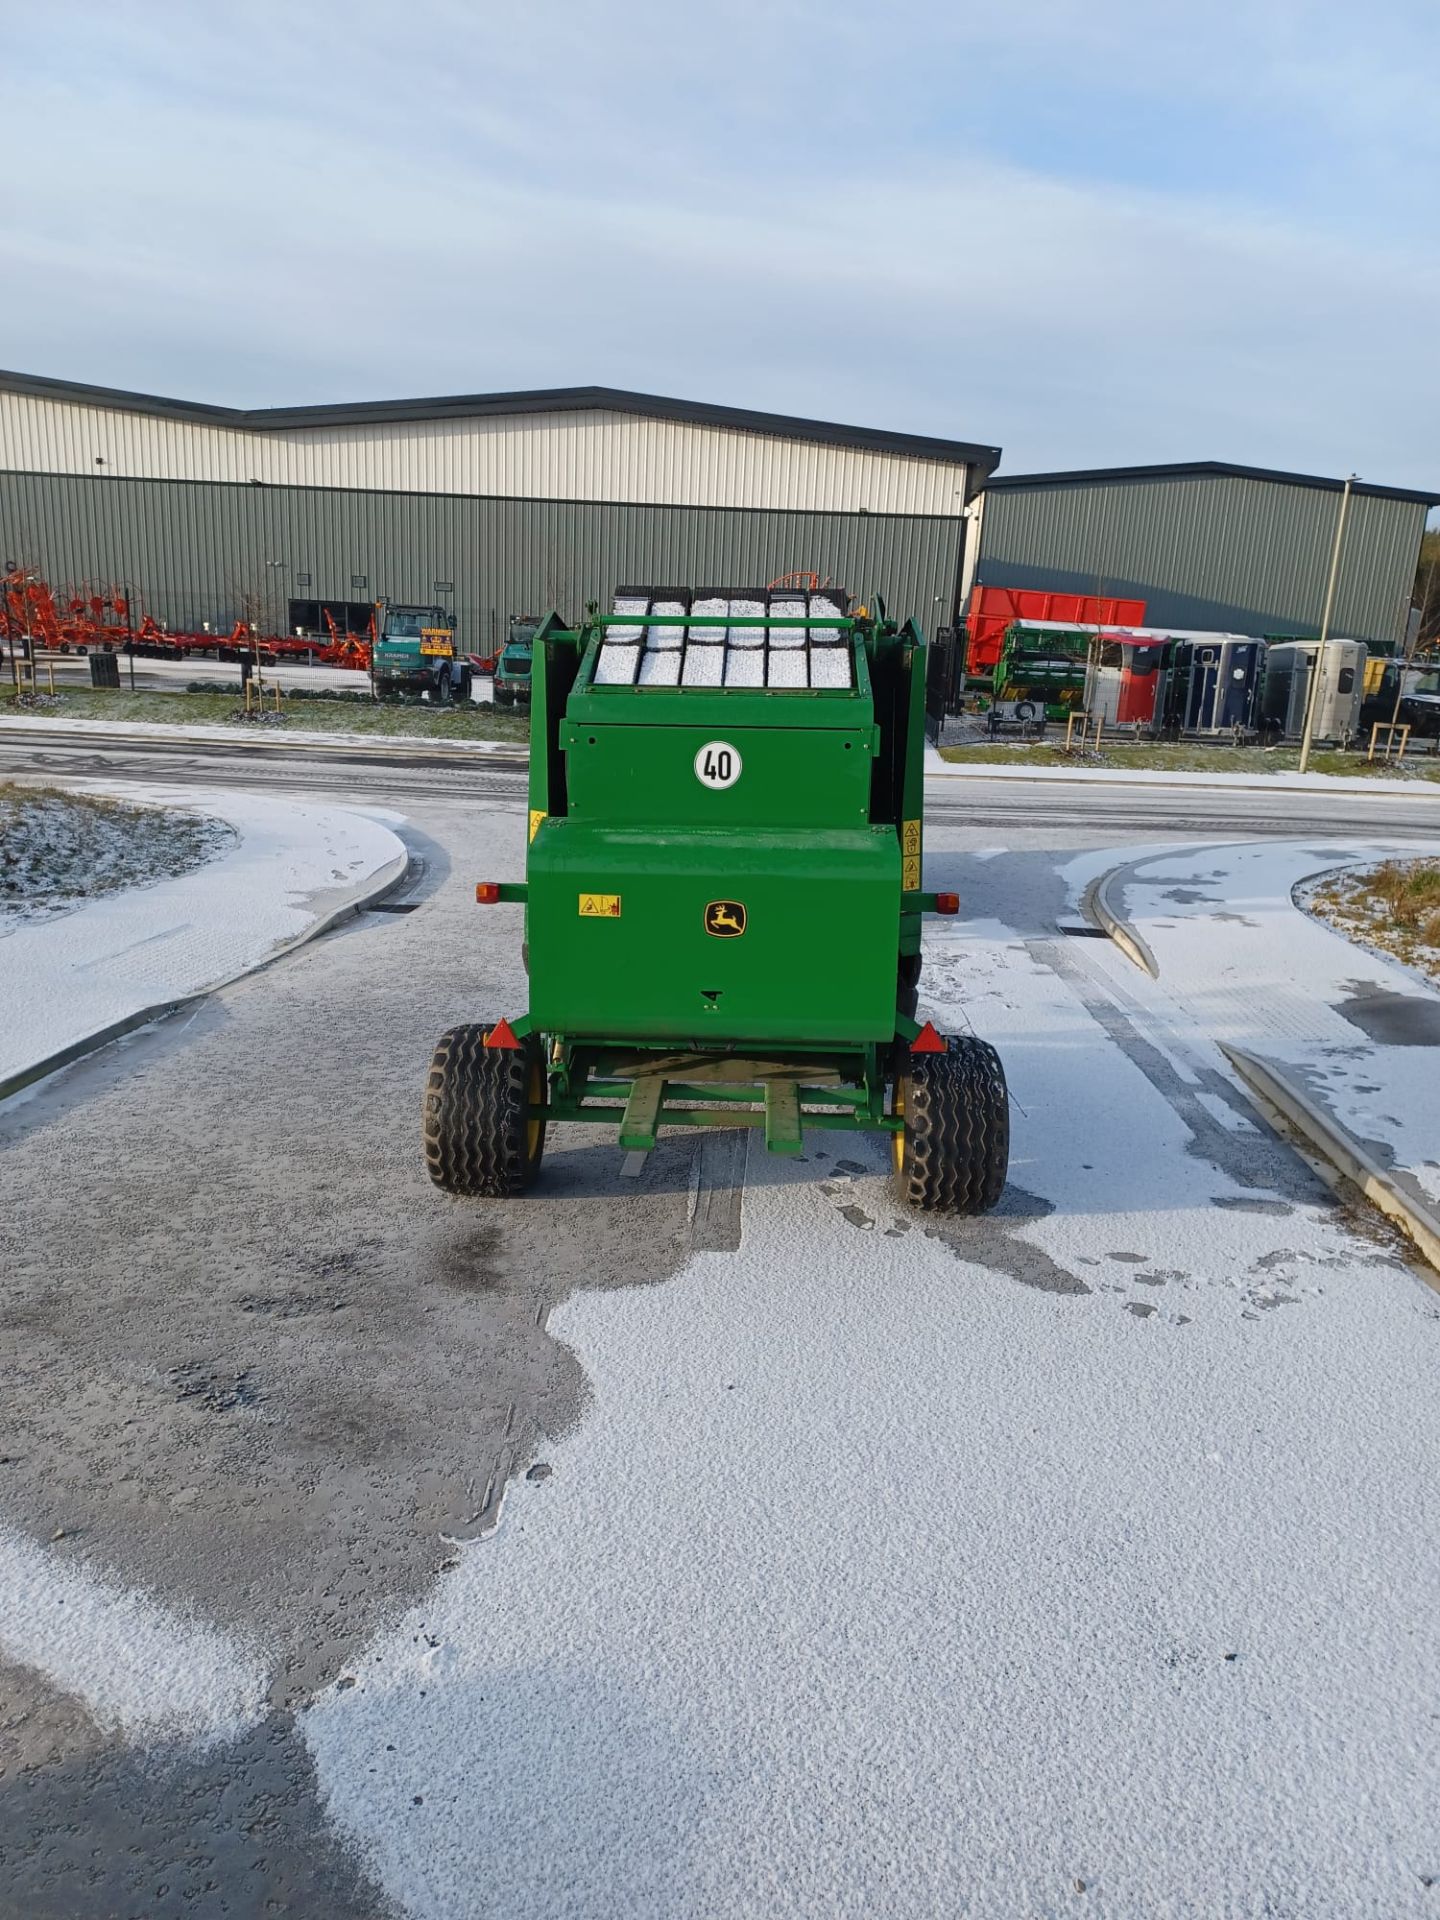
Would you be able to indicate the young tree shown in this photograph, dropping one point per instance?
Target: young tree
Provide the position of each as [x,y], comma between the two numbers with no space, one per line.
[1426,595]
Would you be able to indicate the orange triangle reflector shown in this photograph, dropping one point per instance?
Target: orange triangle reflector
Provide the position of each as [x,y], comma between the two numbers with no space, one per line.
[502,1035]
[926,1041]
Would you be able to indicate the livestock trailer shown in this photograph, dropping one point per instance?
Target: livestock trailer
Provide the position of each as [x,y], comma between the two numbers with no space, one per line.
[1126,677]
[1211,684]
[1338,695]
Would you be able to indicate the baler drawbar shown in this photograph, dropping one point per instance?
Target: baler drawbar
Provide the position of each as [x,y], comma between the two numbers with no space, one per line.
[723,901]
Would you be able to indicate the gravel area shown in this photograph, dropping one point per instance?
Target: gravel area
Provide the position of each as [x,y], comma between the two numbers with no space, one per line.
[58,850]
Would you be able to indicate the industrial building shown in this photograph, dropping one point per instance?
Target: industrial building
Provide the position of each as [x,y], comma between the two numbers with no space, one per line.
[487,504]
[1205,545]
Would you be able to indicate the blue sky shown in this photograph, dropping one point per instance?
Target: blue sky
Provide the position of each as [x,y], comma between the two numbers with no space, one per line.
[1091,234]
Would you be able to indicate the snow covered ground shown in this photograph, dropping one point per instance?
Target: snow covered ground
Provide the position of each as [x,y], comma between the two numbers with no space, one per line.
[59,849]
[1415,785]
[287,736]
[287,866]
[1002,1569]
[1360,1033]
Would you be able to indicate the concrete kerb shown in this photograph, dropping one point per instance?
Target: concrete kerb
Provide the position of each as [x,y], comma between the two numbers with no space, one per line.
[1277,1093]
[1098,909]
[381,883]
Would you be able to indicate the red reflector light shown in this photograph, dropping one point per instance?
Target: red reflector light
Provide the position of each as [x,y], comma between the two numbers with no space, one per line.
[926,1041]
[502,1035]
[487,892]
[947,903]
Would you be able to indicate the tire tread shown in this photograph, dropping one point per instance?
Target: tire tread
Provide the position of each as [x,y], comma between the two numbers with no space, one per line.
[957,1125]
[474,1114]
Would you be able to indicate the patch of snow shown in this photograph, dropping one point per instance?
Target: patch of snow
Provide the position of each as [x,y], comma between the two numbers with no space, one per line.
[139,1668]
[1233,947]
[627,603]
[59,849]
[830,667]
[409,744]
[660,669]
[744,667]
[1377,789]
[287,865]
[783,609]
[704,666]
[1340,901]
[747,636]
[820,604]
[786,669]
[616,665]
[925,1582]
[666,637]
[708,605]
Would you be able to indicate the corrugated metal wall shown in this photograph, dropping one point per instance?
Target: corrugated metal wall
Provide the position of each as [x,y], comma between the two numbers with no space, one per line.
[574,455]
[1209,550]
[195,552]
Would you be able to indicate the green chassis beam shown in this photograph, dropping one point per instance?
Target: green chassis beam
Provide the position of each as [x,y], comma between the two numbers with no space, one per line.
[613,1114]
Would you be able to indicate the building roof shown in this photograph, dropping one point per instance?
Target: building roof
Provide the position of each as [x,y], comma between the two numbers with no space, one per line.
[1193,469]
[462,406]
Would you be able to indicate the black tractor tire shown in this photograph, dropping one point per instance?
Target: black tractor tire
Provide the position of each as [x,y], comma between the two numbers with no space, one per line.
[441,689]
[954,1151]
[907,984]
[479,1138]
[503,697]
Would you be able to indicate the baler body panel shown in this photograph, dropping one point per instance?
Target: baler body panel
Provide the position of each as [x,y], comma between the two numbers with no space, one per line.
[634,933]
[790,776]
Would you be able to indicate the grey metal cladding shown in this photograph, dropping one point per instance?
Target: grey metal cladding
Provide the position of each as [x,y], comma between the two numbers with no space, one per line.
[1210,550]
[193,551]
[464,406]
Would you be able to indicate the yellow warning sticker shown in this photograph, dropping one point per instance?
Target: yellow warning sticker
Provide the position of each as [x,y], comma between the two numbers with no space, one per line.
[537,814]
[909,837]
[599,906]
[910,873]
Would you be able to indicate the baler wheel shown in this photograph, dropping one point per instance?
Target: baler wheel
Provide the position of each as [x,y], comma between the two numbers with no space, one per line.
[479,1137]
[954,1150]
[907,984]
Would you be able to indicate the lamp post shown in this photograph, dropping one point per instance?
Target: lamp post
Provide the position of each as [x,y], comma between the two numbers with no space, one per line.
[10,572]
[1312,691]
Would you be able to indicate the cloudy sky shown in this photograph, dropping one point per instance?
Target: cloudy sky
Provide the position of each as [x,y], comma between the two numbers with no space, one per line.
[1099,232]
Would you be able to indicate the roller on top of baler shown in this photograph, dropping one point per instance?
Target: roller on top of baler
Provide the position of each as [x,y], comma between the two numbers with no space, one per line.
[723,900]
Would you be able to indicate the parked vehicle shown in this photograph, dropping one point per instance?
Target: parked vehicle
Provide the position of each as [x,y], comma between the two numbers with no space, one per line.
[1126,679]
[1419,707]
[1041,670]
[512,669]
[1211,684]
[992,611]
[1339,689]
[414,653]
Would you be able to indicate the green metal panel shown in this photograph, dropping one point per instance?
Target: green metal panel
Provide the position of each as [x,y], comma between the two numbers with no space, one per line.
[815,962]
[1214,551]
[804,776]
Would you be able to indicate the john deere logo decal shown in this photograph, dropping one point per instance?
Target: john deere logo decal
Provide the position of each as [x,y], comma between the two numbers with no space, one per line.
[726,918]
